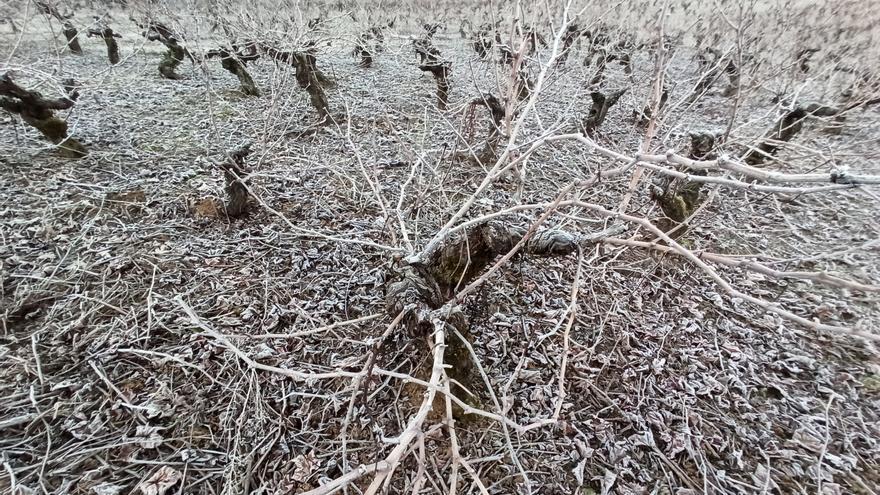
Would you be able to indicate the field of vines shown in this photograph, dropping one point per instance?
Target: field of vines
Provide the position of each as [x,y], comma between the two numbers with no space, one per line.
[453,247]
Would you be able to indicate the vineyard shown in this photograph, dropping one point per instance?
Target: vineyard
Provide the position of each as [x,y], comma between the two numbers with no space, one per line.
[439,247]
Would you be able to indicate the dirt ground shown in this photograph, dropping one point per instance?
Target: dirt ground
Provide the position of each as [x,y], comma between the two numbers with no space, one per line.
[672,385]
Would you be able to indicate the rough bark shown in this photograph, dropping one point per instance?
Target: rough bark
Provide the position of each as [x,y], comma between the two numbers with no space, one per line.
[308,80]
[787,127]
[172,58]
[496,110]
[155,31]
[572,33]
[67,27]
[679,203]
[441,73]
[235,63]
[235,173]
[39,112]
[421,288]
[599,109]
[109,37]
[70,33]
[308,77]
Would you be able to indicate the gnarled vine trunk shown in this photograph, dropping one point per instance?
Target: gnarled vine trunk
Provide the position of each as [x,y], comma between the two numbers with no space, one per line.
[496,111]
[599,109]
[308,77]
[787,127]
[70,33]
[419,290]
[234,172]
[679,203]
[109,38]
[235,64]
[440,71]
[39,112]
[67,27]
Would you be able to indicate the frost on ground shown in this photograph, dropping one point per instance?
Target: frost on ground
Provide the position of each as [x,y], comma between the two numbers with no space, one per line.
[152,344]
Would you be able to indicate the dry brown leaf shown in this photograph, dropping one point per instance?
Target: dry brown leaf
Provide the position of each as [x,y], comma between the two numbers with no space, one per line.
[305,465]
[207,208]
[160,481]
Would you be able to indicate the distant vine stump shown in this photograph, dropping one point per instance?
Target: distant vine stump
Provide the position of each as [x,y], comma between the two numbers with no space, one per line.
[803,59]
[39,112]
[601,63]
[234,172]
[440,71]
[155,31]
[235,64]
[482,41]
[72,40]
[532,38]
[496,110]
[172,58]
[427,53]
[362,48]
[599,109]
[787,127]
[709,66]
[732,72]
[308,77]
[572,33]
[506,55]
[644,117]
[67,27]
[109,38]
